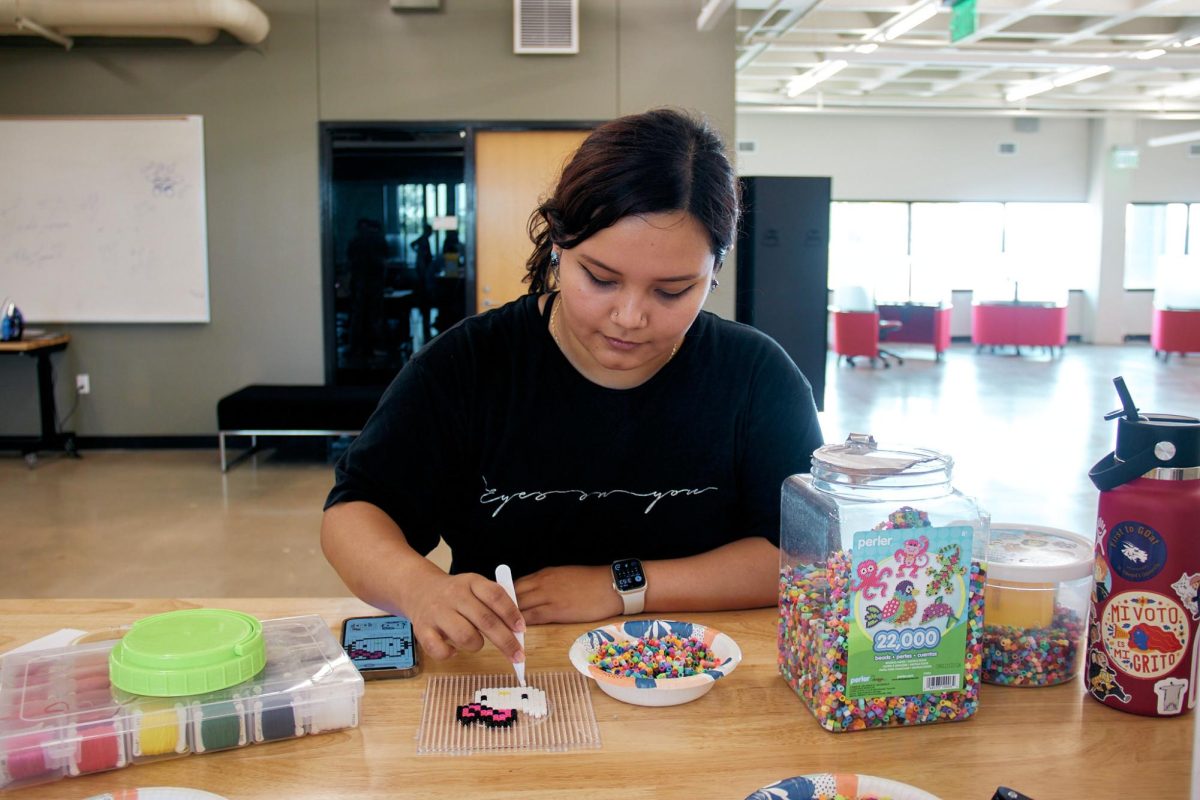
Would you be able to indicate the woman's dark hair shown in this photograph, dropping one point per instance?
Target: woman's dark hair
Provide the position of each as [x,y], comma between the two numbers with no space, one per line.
[662,160]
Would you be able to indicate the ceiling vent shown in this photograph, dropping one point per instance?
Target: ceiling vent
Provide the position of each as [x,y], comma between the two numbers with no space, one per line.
[546,27]
[747,146]
[1007,149]
[1194,150]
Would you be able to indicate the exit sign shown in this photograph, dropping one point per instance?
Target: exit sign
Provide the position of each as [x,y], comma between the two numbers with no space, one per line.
[962,20]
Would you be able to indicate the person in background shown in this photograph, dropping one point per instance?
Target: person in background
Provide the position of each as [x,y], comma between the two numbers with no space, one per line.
[366,253]
[600,431]
[426,278]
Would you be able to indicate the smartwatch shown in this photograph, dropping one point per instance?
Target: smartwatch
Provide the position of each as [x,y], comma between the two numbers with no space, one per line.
[629,580]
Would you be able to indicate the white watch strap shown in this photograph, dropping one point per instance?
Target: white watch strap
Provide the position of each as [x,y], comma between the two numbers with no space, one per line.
[634,601]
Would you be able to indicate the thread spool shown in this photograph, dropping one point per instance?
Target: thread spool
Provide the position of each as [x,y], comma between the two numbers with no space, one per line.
[218,726]
[26,758]
[101,748]
[274,719]
[158,730]
[332,714]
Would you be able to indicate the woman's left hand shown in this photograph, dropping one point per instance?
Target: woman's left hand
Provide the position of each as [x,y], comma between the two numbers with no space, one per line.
[568,594]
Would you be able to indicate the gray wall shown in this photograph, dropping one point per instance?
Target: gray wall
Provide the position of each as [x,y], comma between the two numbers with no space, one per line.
[324,60]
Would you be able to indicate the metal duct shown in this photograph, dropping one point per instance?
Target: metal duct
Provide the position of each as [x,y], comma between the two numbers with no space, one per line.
[198,21]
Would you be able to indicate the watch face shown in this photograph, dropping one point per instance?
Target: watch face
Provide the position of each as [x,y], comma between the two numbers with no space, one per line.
[628,575]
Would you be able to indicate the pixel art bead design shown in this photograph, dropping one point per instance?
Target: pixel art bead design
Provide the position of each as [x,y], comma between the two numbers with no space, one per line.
[490,717]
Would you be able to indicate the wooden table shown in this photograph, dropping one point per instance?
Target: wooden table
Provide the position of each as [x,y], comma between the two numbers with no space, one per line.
[1052,743]
[40,347]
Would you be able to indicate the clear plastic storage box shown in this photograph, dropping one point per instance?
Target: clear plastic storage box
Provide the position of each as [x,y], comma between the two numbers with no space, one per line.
[60,716]
[881,588]
[1038,590]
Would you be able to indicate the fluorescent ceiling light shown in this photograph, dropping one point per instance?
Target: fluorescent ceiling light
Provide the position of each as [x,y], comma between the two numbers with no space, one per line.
[1187,89]
[907,20]
[1178,138]
[1146,55]
[823,71]
[1192,41]
[870,47]
[1029,89]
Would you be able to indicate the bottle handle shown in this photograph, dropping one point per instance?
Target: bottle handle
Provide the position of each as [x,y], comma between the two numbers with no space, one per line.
[1108,473]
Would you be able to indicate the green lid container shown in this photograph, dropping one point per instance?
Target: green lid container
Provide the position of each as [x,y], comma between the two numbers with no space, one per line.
[192,651]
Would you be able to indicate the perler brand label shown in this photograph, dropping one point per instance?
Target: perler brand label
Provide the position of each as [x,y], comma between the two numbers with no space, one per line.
[1146,634]
[909,597]
[1137,552]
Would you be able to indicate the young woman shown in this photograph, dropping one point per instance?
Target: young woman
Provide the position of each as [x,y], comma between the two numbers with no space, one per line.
[619,448]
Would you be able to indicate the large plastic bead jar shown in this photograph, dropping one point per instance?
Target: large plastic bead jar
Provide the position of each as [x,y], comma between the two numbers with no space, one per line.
[881,588]
[1039,585]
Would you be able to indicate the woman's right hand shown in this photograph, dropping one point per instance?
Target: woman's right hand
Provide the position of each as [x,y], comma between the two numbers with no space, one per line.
[457,612]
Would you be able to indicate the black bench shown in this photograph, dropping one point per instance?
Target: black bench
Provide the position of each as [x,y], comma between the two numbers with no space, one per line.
[266,410]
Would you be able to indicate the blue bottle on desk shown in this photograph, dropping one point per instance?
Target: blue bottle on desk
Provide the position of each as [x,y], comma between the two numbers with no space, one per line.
[12,324]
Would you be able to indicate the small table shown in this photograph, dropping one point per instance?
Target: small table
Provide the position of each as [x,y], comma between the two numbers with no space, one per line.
[40,347]
[921,323]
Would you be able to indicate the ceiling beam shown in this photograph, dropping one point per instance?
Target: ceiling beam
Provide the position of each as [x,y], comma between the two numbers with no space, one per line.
[1113,21]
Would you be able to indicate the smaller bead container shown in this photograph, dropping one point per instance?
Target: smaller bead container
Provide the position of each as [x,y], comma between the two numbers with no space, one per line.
[1036,605]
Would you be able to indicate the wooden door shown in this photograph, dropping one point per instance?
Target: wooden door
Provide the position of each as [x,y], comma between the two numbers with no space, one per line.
[514,171]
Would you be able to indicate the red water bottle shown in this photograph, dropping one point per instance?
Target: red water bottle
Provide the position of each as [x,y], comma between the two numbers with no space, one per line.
[1142,635]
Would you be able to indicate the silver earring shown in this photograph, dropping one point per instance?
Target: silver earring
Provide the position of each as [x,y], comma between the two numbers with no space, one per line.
[715,283]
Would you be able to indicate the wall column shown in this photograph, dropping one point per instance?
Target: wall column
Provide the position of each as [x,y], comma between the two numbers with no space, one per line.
[1109,191]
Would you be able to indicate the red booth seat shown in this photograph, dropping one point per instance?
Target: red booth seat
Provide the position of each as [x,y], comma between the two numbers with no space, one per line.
[994,324]
[1175,331]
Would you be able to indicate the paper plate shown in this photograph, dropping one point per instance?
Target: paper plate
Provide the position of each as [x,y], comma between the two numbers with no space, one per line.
[828,784]
[158,793]
[650,691]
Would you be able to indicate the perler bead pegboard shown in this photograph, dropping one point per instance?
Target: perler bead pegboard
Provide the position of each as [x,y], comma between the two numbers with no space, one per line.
[457,720]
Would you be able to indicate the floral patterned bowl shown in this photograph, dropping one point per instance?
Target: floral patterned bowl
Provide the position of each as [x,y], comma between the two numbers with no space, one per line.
[654,691]
[826,784]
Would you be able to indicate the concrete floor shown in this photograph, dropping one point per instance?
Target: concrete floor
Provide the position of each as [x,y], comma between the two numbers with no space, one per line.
[1022,430]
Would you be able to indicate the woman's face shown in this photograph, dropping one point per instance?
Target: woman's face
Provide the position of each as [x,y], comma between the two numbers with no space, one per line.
[630,292]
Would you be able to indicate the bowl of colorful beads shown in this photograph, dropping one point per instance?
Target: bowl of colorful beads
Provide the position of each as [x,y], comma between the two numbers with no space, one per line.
[839,786]
[655,662]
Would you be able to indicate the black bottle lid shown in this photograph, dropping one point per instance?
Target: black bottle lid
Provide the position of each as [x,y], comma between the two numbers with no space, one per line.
[1146,442]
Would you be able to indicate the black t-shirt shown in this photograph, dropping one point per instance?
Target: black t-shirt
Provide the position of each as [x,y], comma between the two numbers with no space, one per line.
[490,439]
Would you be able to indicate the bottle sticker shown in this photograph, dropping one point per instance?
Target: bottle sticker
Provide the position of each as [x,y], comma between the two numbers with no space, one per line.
[1136,552]
[1170,693]
[909,598]
[1145,633]
[1186,588]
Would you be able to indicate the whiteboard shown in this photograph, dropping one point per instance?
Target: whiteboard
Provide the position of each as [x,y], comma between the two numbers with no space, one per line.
[103,219]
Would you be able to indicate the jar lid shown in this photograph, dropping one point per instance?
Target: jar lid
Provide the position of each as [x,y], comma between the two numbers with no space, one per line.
[1036,554]
[860,454]
[192,651]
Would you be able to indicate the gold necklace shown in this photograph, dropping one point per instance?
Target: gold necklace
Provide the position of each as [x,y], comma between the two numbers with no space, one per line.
[554,330]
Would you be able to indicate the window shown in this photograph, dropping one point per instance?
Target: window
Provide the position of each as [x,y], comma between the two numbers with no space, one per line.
[923,250]
[1154,231]
[868,246]
[954,246]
